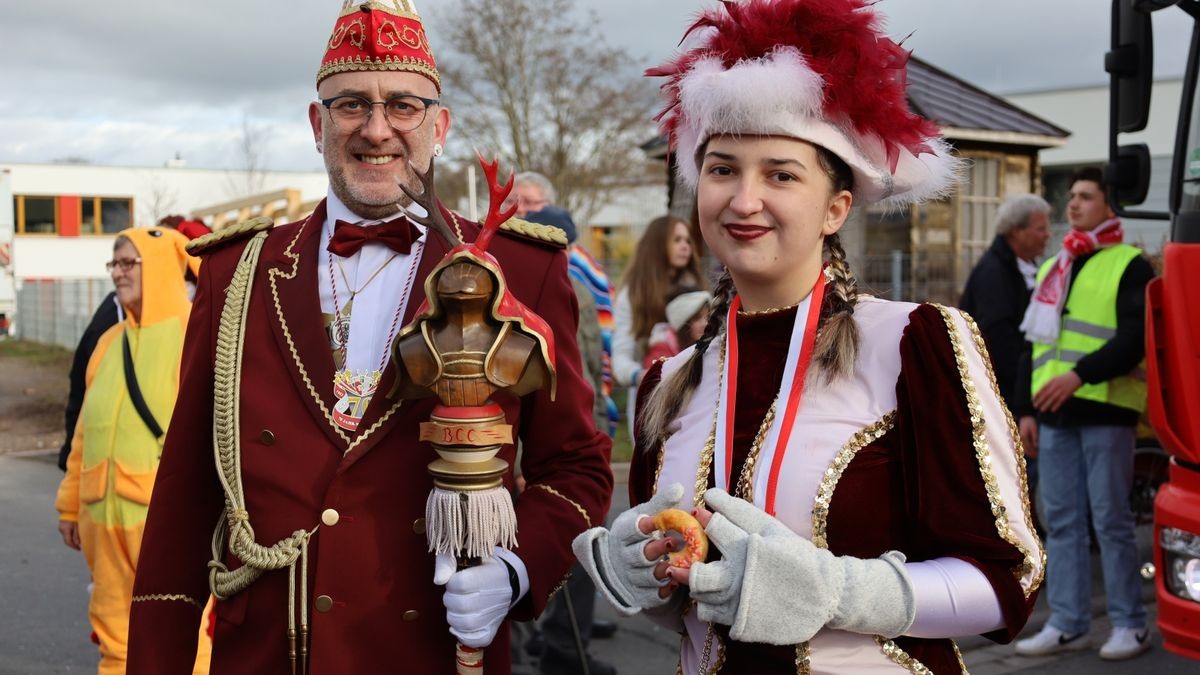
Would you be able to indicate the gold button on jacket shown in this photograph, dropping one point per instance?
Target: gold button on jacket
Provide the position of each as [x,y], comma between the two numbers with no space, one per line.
[412,615]
[330,517]
[324,603]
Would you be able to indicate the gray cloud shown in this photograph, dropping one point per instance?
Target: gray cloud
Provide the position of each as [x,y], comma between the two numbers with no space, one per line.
[130,82]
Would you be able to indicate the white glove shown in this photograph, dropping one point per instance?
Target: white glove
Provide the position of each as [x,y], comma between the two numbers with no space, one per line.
[773,586]
[478,598]
[616,559]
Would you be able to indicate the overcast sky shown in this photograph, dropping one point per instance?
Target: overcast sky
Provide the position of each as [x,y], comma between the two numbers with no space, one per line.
[129,82]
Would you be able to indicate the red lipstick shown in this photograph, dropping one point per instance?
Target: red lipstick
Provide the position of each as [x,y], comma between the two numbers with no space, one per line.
[743,232]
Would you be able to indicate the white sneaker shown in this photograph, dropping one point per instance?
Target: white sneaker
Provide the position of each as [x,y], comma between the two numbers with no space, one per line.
[1050,640]
[1125,643]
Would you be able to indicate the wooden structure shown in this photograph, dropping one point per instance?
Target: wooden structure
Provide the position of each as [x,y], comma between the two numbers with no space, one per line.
[284,206]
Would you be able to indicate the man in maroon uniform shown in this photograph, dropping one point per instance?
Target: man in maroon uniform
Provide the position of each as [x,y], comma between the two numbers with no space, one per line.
[319,561]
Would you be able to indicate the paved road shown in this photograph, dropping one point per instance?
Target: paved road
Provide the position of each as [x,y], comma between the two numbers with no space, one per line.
[45,630]
[43,583]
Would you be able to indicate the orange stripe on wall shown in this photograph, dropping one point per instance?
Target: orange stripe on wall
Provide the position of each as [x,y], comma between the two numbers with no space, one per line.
[69,215]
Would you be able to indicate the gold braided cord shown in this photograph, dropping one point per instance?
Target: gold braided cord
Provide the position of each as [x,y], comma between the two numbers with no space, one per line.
[237,530]
[547,233]
[587,519]
[172,597]
[803,659]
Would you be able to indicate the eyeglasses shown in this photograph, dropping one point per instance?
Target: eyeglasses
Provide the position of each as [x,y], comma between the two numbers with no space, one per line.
[125,264]
[403,113]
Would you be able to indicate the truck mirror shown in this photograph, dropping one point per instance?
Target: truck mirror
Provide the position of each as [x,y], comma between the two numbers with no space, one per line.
[1130,65]
[1128,177]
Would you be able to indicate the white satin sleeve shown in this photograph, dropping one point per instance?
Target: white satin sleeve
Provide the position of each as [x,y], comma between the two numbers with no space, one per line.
[953,598]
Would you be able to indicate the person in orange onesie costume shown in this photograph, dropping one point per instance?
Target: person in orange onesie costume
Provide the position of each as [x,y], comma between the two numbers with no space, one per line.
[103,499]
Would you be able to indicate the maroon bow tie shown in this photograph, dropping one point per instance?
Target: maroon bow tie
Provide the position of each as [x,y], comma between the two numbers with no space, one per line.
[398,235]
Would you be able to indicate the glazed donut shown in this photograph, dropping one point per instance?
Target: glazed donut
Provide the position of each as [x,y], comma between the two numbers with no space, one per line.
[695,542]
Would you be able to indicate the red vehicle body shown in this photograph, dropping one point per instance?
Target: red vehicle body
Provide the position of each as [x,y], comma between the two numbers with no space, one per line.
[1173,304]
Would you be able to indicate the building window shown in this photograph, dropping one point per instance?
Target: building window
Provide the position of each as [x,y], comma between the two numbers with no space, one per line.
[36,215]
[105,215]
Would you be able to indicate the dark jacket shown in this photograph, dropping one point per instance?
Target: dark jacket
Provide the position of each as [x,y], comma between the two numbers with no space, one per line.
[1119,356]
[996,295]
[104,318]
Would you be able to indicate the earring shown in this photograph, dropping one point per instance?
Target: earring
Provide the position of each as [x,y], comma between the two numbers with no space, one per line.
[437,149]
[318,148]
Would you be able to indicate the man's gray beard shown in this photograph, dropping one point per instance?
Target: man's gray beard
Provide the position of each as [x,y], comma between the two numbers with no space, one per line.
[365,209]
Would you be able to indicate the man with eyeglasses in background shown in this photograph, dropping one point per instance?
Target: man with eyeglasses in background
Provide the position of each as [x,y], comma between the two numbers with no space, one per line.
[320,561]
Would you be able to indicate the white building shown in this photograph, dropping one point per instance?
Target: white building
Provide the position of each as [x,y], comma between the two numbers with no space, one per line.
[58,221]
[1084,110]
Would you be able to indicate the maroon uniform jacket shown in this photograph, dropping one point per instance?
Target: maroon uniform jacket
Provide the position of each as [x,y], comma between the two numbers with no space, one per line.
[386,614]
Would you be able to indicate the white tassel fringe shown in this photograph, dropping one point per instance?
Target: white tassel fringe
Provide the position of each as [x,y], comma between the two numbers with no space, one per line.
[470,524]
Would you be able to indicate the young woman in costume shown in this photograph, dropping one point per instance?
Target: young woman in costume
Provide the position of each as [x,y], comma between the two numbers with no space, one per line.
[850,459]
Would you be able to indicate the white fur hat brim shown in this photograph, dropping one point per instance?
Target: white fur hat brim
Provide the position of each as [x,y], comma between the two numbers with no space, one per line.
[780,95]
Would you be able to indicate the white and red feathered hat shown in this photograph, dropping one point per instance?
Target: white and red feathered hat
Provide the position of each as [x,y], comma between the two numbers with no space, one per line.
[374,36]
[816,70]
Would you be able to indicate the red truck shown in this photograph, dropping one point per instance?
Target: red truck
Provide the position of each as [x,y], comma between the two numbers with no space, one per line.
[1173,313]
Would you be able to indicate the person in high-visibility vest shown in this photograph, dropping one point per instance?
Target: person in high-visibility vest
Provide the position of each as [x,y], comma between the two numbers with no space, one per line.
[1086,325]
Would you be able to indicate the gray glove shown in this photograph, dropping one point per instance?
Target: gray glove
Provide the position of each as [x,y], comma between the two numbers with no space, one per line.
[616,559]
[773,586]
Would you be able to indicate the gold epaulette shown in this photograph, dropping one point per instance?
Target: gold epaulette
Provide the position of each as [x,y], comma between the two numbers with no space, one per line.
[547,235]
[210,242]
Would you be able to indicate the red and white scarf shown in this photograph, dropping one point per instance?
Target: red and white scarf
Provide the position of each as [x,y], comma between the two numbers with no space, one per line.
[1044,316]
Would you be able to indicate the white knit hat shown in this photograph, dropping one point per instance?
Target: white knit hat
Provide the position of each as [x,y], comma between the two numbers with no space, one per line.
[683,307]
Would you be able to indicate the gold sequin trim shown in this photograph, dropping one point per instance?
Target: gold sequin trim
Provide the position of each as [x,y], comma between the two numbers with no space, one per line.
[1018,447]
[820,513]
[769,310]
[566,499]
[171,597]
[982,452]
[745,484]
[958,655]
[803,659]
[901,657]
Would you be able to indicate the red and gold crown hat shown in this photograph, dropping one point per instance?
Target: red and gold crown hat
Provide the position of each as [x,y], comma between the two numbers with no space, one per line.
[379,36]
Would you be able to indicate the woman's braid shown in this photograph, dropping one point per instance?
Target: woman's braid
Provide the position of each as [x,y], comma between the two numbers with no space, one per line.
[837,344]
[671,394]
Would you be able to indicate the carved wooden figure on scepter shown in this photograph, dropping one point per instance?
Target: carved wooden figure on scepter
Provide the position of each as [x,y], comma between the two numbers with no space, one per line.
[470,340]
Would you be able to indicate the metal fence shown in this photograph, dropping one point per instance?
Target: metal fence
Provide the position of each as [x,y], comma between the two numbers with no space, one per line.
[57,311]
[920,277]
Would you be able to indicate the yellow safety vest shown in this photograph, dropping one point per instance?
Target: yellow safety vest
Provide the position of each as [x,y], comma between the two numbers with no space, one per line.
[1089,320]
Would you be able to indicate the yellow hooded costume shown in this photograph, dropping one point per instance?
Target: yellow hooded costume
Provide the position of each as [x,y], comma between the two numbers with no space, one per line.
[114,455]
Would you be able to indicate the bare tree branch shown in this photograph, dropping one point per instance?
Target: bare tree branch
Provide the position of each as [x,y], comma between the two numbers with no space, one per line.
[535,82]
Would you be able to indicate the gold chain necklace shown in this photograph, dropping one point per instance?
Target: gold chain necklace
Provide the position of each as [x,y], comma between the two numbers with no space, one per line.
[369,280]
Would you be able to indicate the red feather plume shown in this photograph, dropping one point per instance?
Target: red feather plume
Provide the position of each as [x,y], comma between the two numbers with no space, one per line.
[842,41]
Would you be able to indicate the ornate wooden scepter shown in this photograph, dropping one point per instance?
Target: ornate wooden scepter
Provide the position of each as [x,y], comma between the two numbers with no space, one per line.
[470,339]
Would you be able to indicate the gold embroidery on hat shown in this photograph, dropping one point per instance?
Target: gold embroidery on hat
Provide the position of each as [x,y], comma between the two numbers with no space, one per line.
[388,35]
[406,63]
[358,38]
